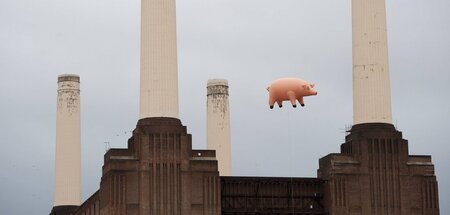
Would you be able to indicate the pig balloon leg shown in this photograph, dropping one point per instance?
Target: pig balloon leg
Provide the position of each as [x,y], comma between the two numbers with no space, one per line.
[271,102]
[280,103]
[291,96]
[302,103]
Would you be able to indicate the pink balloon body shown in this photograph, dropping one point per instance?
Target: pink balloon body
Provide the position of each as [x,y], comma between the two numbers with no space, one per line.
[289,89]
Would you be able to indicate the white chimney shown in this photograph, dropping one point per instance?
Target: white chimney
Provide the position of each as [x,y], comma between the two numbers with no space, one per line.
[159,78]
[68,146]
[218,123]
[371,84]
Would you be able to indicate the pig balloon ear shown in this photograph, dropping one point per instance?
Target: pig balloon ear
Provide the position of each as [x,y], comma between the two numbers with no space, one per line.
[312,85]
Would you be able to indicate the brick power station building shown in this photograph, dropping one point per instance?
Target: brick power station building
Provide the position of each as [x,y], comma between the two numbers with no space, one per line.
[160,174]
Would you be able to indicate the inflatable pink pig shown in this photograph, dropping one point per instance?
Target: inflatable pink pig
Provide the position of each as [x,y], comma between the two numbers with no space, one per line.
[291,89]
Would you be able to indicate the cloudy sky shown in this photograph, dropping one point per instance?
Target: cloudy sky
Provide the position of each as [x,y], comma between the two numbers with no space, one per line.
[248,42]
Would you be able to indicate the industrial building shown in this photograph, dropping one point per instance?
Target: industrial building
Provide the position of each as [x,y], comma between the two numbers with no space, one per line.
[159,172]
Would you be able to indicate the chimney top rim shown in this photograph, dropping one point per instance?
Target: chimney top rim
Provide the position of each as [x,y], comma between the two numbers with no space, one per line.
[216,82]
[68,77]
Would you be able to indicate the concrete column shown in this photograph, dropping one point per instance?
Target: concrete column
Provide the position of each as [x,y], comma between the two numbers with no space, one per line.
[371,84]
[218,124]
[159,76]
[68,146]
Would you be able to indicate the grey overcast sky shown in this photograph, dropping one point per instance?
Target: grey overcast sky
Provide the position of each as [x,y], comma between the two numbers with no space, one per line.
[248,42]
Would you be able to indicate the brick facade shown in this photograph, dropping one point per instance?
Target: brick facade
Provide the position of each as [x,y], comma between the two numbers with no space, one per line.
[159,173]
[375,175]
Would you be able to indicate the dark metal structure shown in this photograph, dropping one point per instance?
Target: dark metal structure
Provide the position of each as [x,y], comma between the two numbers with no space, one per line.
[271,195]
